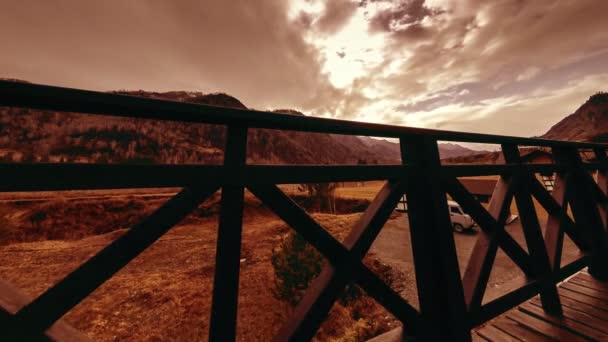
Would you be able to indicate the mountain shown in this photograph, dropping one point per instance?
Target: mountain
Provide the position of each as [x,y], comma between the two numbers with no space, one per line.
[451,150]
[30,135]
[588,123]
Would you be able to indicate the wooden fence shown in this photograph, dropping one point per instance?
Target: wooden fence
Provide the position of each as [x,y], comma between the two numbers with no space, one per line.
[450,305]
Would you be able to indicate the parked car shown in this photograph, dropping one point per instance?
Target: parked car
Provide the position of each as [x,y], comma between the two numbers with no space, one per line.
[461,222]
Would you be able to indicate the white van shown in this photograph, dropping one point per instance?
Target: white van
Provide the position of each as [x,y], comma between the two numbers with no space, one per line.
[460,221]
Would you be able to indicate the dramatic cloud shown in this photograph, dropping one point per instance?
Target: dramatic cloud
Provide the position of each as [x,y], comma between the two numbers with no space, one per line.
[249,49]
[473,65]
[404,18]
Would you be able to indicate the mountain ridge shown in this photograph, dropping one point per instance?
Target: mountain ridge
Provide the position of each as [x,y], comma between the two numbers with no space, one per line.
[588,123]
[29,135]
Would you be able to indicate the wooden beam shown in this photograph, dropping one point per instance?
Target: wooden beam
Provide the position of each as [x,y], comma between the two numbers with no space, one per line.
[472,170]
[12,300]
[533,235]
[224,303]
[602,183]
[440,292]
[585,210]
[61,176]
[15,94]
[554,230]
[492,235]
[553,208]
[317,301]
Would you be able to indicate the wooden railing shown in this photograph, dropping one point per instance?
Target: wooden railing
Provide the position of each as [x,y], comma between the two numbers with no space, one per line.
[450,305]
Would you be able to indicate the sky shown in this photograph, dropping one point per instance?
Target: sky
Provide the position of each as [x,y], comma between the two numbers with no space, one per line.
[511,67]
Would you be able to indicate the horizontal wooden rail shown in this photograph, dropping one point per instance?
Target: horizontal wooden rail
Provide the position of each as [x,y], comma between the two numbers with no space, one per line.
[60,176]
[53,176]
[84,101]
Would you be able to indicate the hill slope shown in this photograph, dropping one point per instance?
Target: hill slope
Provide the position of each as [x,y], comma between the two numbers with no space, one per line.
[588,123]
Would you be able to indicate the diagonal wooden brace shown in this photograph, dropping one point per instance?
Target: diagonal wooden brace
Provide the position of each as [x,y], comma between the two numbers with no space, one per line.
[345,261]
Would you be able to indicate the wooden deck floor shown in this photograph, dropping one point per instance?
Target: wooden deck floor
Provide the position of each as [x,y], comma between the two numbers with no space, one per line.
[585,305]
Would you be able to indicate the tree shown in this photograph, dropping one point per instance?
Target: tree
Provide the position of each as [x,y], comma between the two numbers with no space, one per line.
[296,263]
[322,194]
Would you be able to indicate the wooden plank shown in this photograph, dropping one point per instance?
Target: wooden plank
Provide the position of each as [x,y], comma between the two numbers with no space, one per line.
[476,338]
[582,317]
[589,278]
[471,170]
[55,176]
[15,94]
[543,327]
[58,176]
[549,202]
[564,322]
[224,303]
[60,298]
[525,291]
[554,231]
[585,290]
[61,176]
[579,306]
[597,303]
[493,334]
[12,300]
[440,291]
[517,330]
[589,284]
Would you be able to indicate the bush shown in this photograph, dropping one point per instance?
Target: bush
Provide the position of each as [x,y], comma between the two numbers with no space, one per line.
[296,263]
[355,316]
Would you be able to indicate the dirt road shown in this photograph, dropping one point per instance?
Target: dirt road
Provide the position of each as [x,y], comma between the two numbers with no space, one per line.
[393,246]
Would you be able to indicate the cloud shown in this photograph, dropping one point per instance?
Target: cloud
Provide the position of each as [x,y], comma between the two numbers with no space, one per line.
[403,18]
[519,115]
[457,64]
[248,49]
[336,14]
[528,74]
[471,53]
[495,42]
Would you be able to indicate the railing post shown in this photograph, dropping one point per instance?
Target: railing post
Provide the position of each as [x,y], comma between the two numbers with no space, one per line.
[442,304]
[533,234]
[585,210]
[602,181]
[228,250]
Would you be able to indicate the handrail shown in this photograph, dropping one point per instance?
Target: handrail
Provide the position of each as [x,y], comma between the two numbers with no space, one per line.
[37,96]
[450,304]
